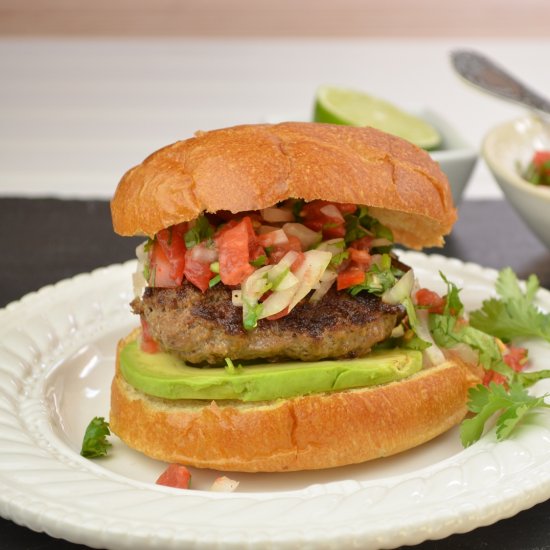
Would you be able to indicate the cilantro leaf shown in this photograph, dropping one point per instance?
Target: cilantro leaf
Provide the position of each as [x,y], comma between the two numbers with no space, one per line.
[512,315]
[200,231]
[484,401]
[214,281]
[95,442]
[447,333]
[378,278]
[259,261]
[297,207]
[527,379]
[453,303]
[337,259]
[361,224]
[251,314]
[413,341]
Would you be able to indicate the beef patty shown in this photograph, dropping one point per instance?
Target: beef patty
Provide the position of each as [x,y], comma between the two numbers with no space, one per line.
[207,328]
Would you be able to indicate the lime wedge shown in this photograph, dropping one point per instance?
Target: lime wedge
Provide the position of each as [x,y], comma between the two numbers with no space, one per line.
[353,108]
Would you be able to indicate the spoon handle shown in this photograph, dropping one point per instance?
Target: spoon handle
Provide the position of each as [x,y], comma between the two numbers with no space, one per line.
[485,74]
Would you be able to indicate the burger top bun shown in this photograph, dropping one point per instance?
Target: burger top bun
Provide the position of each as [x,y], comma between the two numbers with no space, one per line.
[251,167]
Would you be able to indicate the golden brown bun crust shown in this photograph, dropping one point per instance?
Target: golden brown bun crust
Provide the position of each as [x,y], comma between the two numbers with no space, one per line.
[251,167]
[303,433]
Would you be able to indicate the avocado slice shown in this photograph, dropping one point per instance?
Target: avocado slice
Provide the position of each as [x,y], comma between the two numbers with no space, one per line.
[163,375]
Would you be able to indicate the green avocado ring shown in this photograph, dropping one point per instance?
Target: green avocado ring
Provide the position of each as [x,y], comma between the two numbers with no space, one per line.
[164,375]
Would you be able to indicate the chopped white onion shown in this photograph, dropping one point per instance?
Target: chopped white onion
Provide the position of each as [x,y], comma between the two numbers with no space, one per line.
[398,331]
[288,287]
[275,214]
[466,353]
[289,258]
[263,229]
[203,254]
[273,238]
[332,212]
[277,302]
[376,259]
[433,353]
[310,273]
[400,290]
[380,242]
[237,298]
[139,283]
[138,280]
[141,255]
[308,238]
[255,285]
[284,286]
[288,281]
[327,279]
[224,484]
[334,246]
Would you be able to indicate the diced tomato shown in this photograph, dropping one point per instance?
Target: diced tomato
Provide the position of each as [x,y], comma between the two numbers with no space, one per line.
[516,358]
[430,300]
[315,217]
[350,276]
[364,243]
[255,248]
[181,228]
[197,270]
[540,158]
[255,251]
[234,253]
[346,207]
[173,246]
[334,231]
[273,238]
[493,376]
[176,475]
[361,257]
[160,268]
[147,344]
[277,252]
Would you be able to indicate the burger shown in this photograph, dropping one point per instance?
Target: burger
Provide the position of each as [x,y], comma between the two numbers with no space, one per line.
[278,329]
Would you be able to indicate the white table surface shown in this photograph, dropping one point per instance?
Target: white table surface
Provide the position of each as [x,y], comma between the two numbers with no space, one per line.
[75,114]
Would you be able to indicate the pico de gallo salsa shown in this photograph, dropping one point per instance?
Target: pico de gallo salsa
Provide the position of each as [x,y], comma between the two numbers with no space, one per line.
[273,258]
[538,170]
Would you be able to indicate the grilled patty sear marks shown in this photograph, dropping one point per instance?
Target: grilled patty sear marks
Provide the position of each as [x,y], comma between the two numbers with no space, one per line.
[207,328]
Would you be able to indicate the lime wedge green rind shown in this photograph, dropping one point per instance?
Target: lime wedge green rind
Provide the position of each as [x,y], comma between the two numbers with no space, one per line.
[352,108]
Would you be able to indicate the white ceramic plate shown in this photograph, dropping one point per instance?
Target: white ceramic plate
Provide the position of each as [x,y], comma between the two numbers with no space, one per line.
[56,362]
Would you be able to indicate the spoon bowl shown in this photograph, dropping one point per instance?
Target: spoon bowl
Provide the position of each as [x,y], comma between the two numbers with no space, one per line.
[486,75]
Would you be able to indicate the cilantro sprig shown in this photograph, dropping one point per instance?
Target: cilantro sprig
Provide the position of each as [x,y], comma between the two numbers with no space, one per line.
[95,442]
[511,405]
[361,224]
[200,231]
[513,314]
[379,278]
[510,316]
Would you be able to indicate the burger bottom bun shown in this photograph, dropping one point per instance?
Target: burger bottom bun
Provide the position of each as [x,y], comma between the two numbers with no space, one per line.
[303,433]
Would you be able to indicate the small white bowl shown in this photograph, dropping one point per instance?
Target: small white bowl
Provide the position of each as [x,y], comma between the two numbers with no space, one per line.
[507,149]
[456,158]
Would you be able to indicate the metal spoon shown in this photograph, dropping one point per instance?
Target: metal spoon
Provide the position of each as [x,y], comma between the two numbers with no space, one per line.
[486,75]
